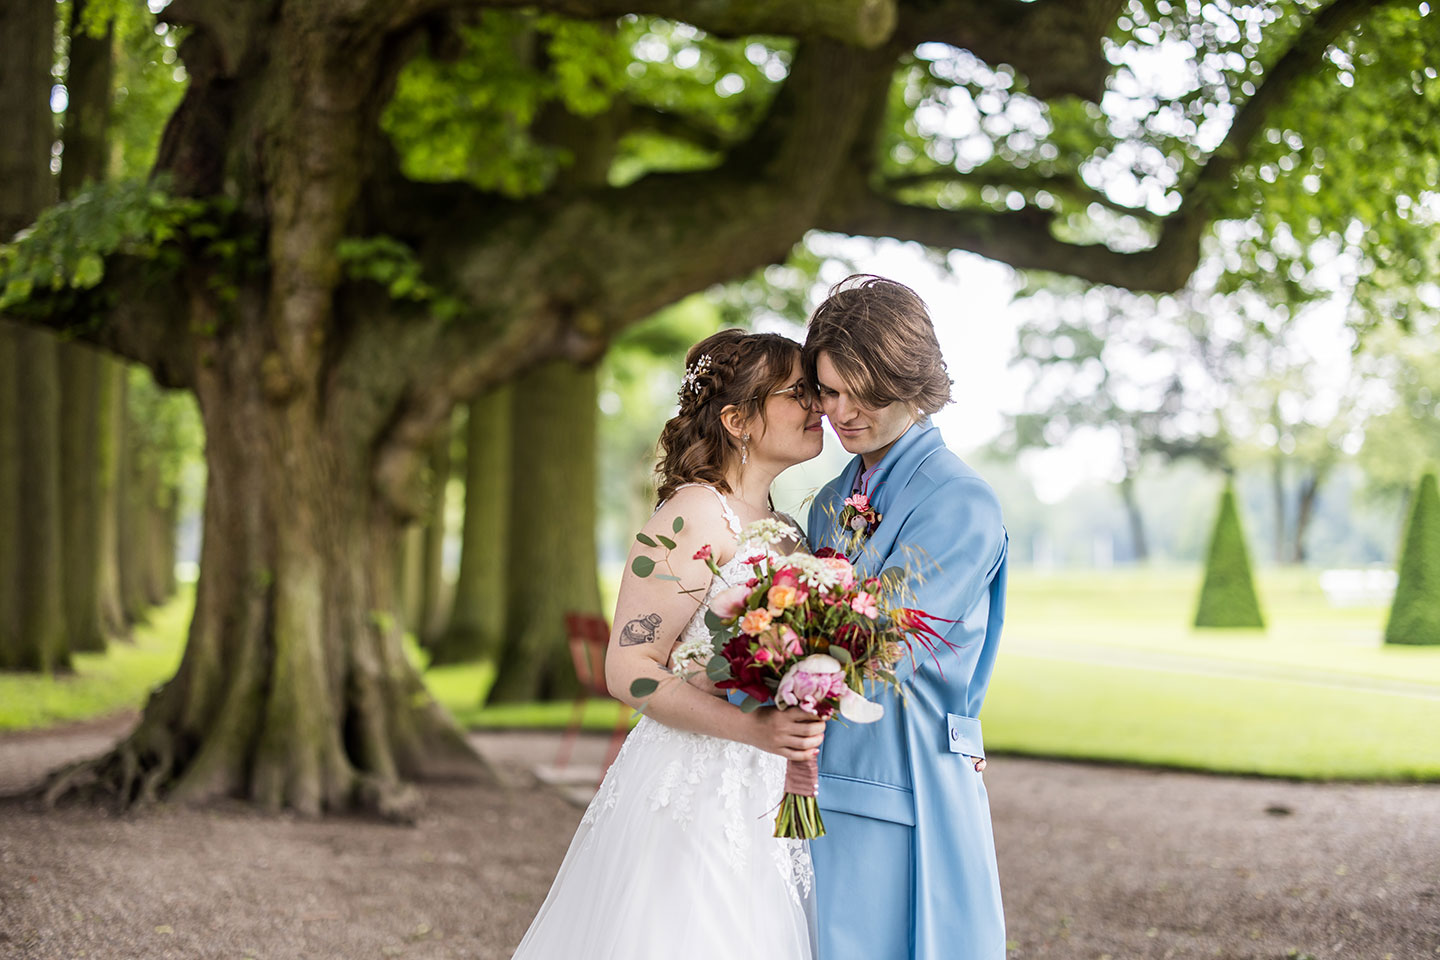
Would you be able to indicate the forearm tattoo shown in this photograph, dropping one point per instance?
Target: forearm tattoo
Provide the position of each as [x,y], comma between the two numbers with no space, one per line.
[640,630]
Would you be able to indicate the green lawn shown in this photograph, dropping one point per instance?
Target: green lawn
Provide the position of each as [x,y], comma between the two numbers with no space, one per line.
[1093,665]
[102,683]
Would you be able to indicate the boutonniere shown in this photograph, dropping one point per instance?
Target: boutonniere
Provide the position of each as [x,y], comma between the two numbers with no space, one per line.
[859,516]
[858,520]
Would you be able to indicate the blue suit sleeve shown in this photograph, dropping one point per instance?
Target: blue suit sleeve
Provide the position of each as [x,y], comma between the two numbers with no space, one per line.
[956,542]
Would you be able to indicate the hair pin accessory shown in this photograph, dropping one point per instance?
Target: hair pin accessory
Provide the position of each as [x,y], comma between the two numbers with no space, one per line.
[691,381]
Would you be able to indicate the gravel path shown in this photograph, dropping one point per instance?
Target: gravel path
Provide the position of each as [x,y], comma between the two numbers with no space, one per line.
[1096,861]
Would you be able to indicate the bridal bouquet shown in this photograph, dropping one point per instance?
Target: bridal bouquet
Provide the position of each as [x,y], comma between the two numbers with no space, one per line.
[809,633]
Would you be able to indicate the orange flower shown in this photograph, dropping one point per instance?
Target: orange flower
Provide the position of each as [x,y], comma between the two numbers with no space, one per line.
[781,597]
[755,622]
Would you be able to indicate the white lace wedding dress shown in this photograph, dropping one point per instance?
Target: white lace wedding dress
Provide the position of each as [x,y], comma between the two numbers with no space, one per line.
[675,856]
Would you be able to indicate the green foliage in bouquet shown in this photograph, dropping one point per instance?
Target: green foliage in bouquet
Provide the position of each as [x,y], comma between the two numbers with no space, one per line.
[1228,598]
[1415,613]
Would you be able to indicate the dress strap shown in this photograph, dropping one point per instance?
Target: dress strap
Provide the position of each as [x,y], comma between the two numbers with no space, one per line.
[729,514]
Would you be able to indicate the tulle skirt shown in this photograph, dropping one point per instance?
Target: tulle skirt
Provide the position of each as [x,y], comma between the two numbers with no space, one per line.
[675,858]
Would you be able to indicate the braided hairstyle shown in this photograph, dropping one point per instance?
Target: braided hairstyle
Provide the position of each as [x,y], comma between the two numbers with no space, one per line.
[743,370]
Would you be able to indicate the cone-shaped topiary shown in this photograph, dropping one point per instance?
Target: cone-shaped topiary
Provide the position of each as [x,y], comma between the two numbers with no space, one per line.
[1415,614]
[1228,597]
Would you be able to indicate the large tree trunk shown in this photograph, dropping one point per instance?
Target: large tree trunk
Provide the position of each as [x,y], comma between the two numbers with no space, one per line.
[1139,544]
[9,496]
[294,690]
[134,526]
[79,367]
[41,636]
[110,412]
[432,562]
[37,641]
[478,612]
[551,565]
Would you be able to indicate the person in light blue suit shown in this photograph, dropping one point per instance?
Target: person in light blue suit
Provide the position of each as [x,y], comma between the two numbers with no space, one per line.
[907,868]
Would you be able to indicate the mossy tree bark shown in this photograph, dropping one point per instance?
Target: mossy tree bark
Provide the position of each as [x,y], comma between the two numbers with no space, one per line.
[550,567]
[477,614]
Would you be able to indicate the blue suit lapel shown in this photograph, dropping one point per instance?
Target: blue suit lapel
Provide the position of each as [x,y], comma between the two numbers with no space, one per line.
[887,486]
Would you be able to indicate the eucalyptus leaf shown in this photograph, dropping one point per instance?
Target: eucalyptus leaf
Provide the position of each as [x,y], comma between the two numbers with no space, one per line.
[643,566]
[646,540]
[750,705]
[669,544]
[679,524]
[644,687]
[717,669]
[841,654]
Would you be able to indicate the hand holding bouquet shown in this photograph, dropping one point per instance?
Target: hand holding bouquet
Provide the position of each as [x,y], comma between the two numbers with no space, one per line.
[808,633]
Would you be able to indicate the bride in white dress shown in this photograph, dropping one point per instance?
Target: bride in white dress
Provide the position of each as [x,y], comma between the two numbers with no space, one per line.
[675,856]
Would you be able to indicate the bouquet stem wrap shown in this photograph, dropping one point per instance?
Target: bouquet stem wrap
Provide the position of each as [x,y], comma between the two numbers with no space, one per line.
[799,816]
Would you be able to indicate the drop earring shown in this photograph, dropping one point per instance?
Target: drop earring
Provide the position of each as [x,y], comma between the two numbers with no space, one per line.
[745,449]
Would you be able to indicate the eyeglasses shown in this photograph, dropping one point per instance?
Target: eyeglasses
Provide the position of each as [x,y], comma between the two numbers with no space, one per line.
[801,392]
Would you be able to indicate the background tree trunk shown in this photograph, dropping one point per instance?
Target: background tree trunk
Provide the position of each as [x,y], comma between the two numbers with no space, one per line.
[1305,511]
[161,517]
[110,403]
[478,611]
[79,367]
[134,511]
[1138,541]
[432,562]
[42,637]
[550,567]
[1277,498]
[9,498]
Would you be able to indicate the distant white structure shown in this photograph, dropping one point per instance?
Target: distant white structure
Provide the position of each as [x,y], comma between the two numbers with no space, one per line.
[1358,588]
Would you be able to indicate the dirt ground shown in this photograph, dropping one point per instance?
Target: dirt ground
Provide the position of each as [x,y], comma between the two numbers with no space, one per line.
[1096,861]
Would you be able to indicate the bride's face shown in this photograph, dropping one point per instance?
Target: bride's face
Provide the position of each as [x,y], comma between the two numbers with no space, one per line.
[790,432]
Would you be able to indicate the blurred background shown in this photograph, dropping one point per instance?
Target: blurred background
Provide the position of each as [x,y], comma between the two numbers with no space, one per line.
[1259,429]
[336,337]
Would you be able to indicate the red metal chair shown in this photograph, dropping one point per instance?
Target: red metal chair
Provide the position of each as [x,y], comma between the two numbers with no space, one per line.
[589,639]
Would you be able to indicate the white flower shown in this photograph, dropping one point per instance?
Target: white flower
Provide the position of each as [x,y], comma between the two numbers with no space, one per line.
[857,709]
[696,651]
[769,531]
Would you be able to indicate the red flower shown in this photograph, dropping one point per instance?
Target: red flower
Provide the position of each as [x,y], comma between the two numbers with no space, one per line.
[746,674]
[751,582]
[703,553]
[824,552]
[755,559]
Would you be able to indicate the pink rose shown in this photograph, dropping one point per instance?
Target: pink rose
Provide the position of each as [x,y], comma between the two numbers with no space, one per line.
[841,569]
[859,501]
[730,603]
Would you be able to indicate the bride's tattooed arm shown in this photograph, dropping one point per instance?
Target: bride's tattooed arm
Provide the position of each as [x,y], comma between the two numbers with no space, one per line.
[640,630]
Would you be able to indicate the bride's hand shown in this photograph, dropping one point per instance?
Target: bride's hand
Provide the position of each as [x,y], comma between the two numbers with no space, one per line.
[792,734]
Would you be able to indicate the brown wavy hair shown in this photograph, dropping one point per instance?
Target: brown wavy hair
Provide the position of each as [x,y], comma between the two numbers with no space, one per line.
[879,335]
[745,368]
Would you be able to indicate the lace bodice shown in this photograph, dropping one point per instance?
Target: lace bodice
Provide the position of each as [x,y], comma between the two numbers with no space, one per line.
[693,643]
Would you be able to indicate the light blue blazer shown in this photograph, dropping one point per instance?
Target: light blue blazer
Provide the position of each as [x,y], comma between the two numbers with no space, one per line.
[907,868]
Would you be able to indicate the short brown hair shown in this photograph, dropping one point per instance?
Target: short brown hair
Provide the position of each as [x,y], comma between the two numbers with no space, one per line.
[879,335]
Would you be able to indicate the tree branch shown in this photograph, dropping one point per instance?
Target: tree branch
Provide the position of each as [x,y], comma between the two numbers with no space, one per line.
[677,127]
[1056,44]
[1013,178]
[862,23]
[135,315]
[1024,240]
